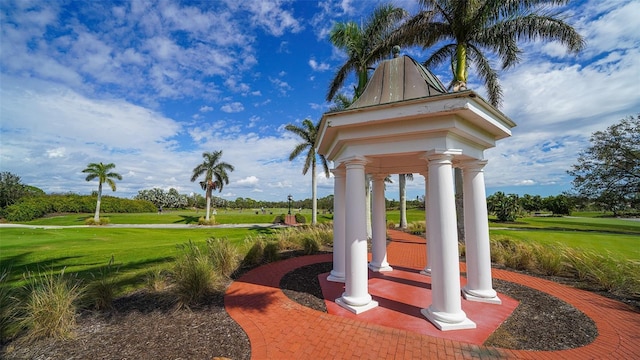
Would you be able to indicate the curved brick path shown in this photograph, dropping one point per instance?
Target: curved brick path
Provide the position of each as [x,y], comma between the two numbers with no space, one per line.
[279,328]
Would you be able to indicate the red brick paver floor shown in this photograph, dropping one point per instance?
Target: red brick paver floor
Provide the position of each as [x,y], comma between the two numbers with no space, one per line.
[279,328]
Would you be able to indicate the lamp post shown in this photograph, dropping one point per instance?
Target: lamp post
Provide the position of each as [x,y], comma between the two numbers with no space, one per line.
[290,198]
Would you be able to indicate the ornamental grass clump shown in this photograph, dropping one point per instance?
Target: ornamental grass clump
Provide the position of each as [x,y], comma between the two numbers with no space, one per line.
[102,290]
[224,256]
[157,279]
[417,227]
[194,275]
[50,308]
[7,307]
[255,255]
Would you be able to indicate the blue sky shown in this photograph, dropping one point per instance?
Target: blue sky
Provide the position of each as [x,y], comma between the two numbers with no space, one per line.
[150,85]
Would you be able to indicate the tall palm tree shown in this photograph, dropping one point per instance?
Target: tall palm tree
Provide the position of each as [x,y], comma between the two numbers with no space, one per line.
[215,175]
[365,45]
[103,173]
[466,31]
[309,132]
[402,185]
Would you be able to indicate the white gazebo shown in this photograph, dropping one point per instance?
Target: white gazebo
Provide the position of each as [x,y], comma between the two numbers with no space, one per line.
[405,122]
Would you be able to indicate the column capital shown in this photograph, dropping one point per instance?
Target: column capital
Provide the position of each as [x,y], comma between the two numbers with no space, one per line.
[354,161]
[441,154]
[338,172]
[378,176]
[475,164]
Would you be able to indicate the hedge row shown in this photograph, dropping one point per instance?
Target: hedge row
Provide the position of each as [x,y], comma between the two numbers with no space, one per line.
[35,207]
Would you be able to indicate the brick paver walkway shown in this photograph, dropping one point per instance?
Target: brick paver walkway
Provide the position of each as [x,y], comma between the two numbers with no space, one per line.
[279,328]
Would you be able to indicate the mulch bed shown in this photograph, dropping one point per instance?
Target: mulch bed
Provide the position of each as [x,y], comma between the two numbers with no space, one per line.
[147,325]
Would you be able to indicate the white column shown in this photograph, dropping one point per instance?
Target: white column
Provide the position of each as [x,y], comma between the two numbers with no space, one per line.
[337,274]
[445,311]
[427,266]
[476,227]
[356,297]
[379,227]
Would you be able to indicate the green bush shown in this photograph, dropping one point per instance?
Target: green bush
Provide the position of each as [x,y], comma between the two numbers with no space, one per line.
[50,308]
[30,208]
[203,221]
[300,219]
[101,221]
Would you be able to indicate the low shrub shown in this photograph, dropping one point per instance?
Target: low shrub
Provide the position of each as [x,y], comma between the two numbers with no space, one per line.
[300,219]
[50,308]
[101,221]
[203,221]
[391,224]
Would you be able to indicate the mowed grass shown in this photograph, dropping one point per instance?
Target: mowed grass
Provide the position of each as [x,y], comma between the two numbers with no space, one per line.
[189,217]
[86,250]
[621,246]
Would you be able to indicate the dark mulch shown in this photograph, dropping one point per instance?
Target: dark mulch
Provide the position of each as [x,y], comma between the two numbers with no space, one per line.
[147,325]
[540,322]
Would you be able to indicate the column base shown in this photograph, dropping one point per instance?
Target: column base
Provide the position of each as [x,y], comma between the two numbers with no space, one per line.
[447,322]
[356,309]
[426,271]
[336,277]
[484,296]
[379,267]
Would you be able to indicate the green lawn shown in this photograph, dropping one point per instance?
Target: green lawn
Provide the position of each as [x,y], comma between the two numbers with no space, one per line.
[177,217]
[624,246]
[86,250]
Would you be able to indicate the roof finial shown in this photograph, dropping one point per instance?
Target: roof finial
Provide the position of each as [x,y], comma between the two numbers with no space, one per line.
[396,51]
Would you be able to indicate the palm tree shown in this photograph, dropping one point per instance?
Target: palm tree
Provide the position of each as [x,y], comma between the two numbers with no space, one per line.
[465,31]
[215,175]
[309,132]
[365,45]
[402,184]
[104,174]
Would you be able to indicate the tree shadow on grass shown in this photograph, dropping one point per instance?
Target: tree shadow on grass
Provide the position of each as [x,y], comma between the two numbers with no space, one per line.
[187,219]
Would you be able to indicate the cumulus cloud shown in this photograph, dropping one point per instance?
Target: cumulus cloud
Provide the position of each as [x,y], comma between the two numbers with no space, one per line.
[233,107]
[315,66]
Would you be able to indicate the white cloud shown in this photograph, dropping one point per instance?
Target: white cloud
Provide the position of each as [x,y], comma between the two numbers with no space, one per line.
[318,66]
[251,180]
[233,107]
[205,109]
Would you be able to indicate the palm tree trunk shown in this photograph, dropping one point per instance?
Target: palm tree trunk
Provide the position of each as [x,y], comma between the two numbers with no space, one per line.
[96,216]
[367,189]
[208,203]
[402,184]
[460,81]
[314,200]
